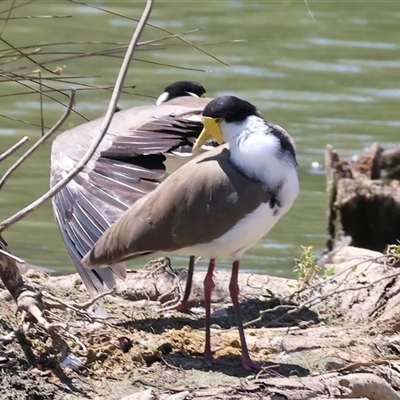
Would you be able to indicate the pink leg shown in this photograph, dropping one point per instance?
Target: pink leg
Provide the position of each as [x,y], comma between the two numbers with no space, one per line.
[208,288]
[247,362]
[182,306]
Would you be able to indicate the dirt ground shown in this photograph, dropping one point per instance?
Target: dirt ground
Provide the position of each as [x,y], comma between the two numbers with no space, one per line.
[138,352]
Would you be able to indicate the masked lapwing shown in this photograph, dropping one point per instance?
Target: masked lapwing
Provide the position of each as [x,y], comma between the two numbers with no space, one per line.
[137,150]
[217,205]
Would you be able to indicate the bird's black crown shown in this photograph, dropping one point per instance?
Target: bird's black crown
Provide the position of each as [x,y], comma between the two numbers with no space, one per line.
[184,88]
[230,108]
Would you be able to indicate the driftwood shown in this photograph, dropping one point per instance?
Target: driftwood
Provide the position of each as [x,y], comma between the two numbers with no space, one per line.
[363,210]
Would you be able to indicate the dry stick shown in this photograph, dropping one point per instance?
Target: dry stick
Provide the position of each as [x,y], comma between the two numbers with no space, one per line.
[25,55]
[39,141]
[39,17]
[316,299]
[41,101]
[18,80]
[7,18]
[347,271]
[21,120]
[14,148]
[106,123]
[153,26]
[12,257]
[310,302]
[106,53]
[309,11]
[77,306]
[14,7]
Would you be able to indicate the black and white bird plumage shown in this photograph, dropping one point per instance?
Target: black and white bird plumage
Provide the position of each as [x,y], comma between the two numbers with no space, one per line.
[129,163]
[218,205]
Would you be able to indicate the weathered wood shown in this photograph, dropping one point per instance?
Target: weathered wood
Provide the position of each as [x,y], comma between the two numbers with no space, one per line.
[364,288]
[390,162]
[9,272]
[349,355]
[363,210]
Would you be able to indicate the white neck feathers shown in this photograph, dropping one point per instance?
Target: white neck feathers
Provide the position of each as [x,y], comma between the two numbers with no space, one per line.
[257,152]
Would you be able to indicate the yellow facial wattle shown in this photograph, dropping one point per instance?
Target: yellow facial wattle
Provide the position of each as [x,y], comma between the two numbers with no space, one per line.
[210,130]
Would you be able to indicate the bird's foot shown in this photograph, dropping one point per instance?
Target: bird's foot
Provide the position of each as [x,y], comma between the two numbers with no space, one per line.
[181,306]
[247,363]
[209,360]
[250,365]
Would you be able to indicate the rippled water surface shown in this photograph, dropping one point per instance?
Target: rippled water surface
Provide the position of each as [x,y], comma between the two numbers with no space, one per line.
[333,80]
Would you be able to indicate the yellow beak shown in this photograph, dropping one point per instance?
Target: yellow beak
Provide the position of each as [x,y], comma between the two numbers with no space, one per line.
[210,130]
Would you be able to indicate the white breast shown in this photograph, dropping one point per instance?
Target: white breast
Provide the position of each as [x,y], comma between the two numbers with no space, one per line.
[240,238]
[259,155]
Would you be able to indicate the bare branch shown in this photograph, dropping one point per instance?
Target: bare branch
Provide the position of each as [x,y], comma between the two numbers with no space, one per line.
[9,255]
[106,123]
[36,145]
[14,148]
[156,27]
[25,55]
[77,306]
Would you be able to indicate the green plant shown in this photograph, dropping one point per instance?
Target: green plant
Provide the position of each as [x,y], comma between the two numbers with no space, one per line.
[306,266]
[394,249]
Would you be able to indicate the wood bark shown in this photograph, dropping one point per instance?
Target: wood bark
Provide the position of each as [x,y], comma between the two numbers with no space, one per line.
[363,209]
[9,273]
[390,162]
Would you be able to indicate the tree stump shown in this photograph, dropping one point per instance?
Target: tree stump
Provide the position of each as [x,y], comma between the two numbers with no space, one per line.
[363,209]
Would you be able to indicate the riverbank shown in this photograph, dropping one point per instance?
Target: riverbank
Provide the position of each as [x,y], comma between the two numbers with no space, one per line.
[335,336]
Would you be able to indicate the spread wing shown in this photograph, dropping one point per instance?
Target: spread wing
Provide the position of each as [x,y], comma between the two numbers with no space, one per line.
[128,164]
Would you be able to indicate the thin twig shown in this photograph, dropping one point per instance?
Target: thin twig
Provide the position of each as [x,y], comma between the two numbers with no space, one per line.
[14,258]
[7,18]
[79,342]
[38,17]
[317,299]
[79,309]
[25,55]
[309,11]
[21,120]
[334,277]
[14,148]
[106,123]
[18,80]
[39,142]
[153,26]
[309,303]
[77,306]
[14,7]
[41,101]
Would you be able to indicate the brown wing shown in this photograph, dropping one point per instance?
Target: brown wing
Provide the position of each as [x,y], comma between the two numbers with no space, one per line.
[197,204]
[128,165]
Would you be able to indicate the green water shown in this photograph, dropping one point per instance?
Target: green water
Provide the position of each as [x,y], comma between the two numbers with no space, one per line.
[335,80]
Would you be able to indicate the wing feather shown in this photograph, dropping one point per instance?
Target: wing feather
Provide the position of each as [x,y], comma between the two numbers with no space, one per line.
[129,165]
